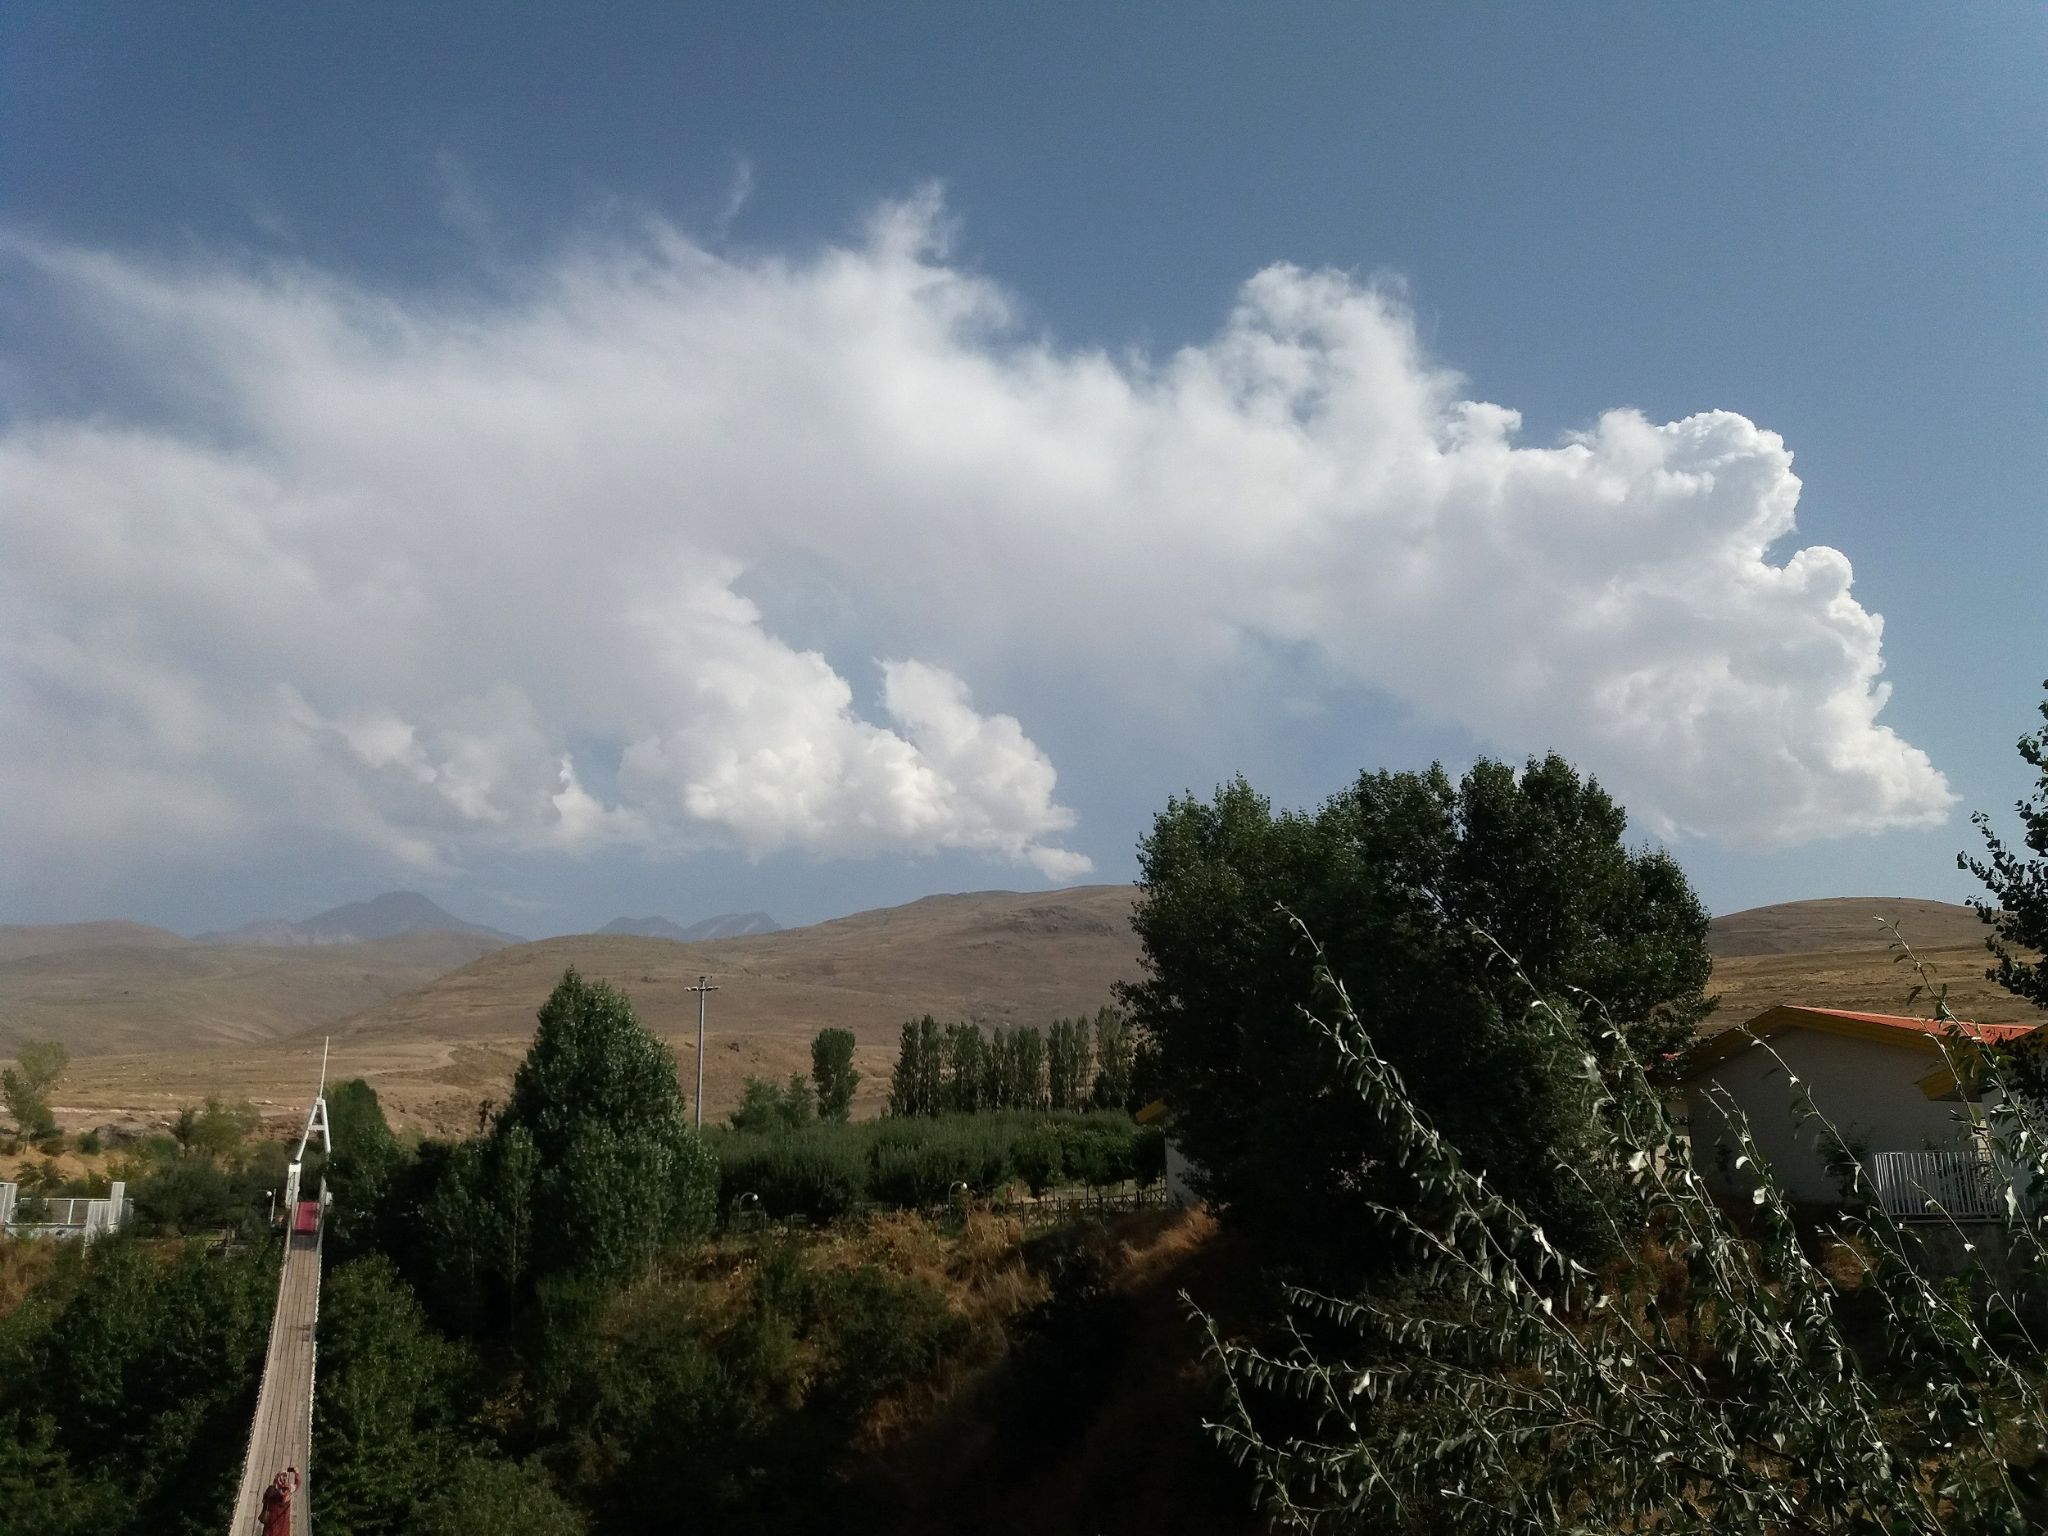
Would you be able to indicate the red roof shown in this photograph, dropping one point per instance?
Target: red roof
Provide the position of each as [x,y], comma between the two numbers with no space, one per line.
[1988,1034]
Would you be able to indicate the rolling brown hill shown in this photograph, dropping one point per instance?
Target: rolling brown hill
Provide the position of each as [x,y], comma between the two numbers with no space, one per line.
[436,1051]
[1839,923]
[126,997]
[996,956]
[443,1043]
[1834,953]
[19,940]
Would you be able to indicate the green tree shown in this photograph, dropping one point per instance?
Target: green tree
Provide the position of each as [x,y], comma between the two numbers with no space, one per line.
[506,1498]
[917,1085]
[833,1074]
[1716,1377]
[2018,908]
[125,1384]
[391,1401]
[966,1068]
[590,1168]
[1409,882]
[367,1163]
[768,1107]
[1068,1058]
[216,1129]
[1027,1067]
[1115,1052]
[26,1085]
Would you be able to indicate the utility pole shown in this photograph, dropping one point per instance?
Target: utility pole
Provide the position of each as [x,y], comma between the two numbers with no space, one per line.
[703,986]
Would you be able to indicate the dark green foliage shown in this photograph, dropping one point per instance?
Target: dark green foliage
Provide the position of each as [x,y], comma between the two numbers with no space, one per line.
[367,1167]
[126,1384]
[1115,1062]
[1016,1069]
[1071,1346]
[25,1086]
[1069,1064]
[917,1086]
[180,1190]
[766,1106]
[828,1171]
[590,1169]
[823,1174]
[592,1063]
[1398,877]
[215,1129]
[832,1072]
[1036,1158]
[740,1421]
[391,1402]
[966,1069]
[503,1498]
[2018,907]
[1714,1378]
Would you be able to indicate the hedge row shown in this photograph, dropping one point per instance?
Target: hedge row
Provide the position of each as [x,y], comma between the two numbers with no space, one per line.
[824,1171]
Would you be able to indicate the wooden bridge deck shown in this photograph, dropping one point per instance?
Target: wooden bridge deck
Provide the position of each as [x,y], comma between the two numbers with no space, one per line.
[282,1434]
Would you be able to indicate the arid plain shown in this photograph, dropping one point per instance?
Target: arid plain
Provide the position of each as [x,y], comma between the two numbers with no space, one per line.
[438,1021]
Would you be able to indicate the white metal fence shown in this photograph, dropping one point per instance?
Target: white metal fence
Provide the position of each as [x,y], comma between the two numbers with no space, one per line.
[63,1215]
[1953,1184]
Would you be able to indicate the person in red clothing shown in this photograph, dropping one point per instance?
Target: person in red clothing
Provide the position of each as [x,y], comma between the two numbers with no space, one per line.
[277,1503]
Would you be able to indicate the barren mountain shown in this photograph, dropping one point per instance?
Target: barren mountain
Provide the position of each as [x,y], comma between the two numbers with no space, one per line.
[727,925]
[438,1044]
[132,997]
[382,917]
[17,940]
[994,955]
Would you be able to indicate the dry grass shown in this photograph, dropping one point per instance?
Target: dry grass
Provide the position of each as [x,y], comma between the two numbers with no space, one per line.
[1843,922]
[1865,979]
[439,1051]
[157,997]
[23,1266]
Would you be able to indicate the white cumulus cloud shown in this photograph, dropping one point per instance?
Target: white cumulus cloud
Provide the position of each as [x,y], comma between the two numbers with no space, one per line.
[435,574]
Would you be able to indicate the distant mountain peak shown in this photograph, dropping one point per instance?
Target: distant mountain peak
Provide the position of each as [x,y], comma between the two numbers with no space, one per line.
[381,917]
[727,925]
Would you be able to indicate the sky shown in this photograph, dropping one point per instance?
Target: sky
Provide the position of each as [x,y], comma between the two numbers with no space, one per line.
[628,459]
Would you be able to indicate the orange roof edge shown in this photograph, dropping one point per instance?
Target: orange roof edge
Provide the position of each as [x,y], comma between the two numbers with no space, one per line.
[1869,1026]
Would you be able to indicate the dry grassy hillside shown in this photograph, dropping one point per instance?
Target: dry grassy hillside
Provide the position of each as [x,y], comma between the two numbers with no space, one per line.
[998,956]
[1843,923]
[436,1052]
[129,997]
[18,941]
[1864,979]
[1836,954]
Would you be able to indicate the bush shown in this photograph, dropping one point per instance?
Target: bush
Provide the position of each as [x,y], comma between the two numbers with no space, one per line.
[826,1170]
[819,1176]
[126,1383]
[505,1498]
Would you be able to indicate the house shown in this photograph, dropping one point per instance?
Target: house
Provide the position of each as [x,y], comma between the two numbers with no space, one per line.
[1901,1093]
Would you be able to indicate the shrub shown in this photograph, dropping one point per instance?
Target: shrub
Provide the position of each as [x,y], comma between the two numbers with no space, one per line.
[821,1176]
[1708,1381]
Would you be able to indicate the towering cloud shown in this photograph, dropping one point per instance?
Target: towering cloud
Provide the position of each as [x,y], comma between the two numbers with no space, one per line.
[436,574]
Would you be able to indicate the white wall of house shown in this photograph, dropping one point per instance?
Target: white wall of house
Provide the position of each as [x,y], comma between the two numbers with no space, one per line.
[1871,1092]
[1180,1190]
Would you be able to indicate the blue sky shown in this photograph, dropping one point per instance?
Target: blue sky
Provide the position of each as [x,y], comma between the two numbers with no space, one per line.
[764,348]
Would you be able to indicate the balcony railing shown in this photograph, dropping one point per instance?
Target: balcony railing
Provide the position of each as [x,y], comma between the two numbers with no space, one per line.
[1935,1184]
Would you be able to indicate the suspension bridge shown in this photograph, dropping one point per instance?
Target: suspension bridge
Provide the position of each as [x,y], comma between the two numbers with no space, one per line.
[281,1435]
